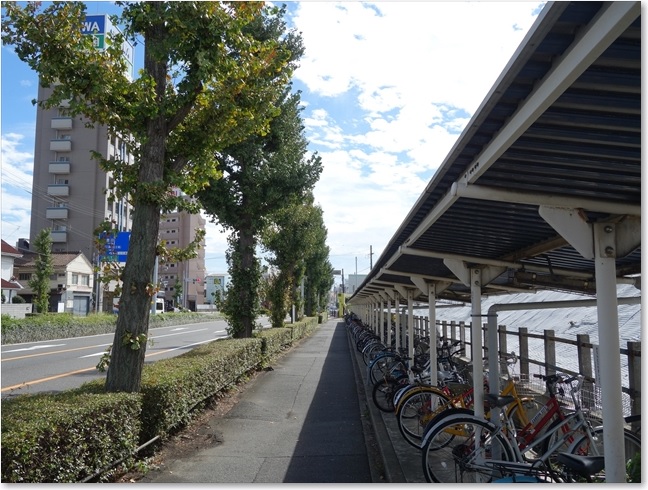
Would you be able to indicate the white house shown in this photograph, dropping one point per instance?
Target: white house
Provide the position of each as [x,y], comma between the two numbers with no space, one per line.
[71,284]
[10,285]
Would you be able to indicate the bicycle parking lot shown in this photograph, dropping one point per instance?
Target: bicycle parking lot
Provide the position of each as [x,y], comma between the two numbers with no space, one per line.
[535,439]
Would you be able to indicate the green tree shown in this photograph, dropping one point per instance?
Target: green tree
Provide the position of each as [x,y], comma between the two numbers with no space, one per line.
[206,83]
[293,238]
[319,279]
[260,175]
[40,280]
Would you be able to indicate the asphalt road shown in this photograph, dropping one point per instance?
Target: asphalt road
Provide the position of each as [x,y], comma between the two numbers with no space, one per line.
[58,365]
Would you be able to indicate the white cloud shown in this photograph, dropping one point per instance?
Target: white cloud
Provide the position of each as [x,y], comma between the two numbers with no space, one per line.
[388,89]
[17,168]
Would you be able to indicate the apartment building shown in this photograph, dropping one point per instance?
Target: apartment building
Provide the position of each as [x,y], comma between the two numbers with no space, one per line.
[70,193]
[182,283]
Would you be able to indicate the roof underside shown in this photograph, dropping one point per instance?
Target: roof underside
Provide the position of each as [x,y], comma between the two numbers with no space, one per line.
[561,128]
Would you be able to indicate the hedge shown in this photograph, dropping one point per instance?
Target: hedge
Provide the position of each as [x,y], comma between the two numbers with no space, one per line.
[70,436]
[52,326]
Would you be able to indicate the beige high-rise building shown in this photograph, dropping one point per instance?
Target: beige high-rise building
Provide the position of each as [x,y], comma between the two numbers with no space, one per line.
[69,188]
[179,230]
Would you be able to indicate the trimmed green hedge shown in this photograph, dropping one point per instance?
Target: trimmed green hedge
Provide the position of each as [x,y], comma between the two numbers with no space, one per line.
[52,326]
[70,436]
[274,340]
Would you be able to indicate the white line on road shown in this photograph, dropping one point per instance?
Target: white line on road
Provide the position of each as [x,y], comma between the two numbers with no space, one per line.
[33,348]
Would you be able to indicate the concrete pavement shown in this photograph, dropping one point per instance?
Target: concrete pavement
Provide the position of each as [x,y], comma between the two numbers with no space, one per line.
[304,421]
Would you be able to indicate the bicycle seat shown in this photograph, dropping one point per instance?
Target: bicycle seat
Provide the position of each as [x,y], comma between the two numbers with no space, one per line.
[583,465]
[498,401]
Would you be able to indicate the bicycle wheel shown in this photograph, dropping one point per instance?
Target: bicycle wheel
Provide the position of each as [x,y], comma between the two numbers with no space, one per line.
[450,410]
[380,366]
[383,393]
[632,445]
[371,351]
[475,454]
[521,413]
[563,432]
[415,411]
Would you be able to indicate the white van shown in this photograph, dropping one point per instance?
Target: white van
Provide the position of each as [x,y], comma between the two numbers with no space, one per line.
[159,305]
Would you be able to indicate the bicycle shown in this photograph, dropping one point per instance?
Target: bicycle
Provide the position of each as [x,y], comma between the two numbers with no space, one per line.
[395,380]
[418,408]
[464,448]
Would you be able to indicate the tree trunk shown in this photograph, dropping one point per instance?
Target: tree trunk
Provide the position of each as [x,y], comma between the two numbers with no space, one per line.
[126,363]
[248,294]
[127,358]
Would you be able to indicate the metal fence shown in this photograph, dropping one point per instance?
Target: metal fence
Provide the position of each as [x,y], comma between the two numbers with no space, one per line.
[546,353]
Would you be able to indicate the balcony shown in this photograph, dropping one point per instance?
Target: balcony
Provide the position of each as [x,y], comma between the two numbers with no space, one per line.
[59,236]
[61,145]
[59,167]
[58,190]
[62,123]
[56,213]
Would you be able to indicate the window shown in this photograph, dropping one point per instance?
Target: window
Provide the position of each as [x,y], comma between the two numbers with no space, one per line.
[63,159]
[85,280]
[24,276]
[75,278]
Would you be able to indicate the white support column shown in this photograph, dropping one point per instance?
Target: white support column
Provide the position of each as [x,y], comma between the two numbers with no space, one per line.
[381,318]
[410,324]
[476,342]
[433,333]
[397,319]
[388,341]
[493,364]
[374,317]
[609,355]
[403,322]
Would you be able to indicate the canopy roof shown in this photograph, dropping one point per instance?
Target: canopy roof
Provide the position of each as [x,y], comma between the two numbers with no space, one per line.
[554,148]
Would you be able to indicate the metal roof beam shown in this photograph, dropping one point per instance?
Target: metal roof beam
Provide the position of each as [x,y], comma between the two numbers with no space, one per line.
[487,193]
[447,281]
[486,261]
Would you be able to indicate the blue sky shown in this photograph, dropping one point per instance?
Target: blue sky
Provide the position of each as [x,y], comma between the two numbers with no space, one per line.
[387,88]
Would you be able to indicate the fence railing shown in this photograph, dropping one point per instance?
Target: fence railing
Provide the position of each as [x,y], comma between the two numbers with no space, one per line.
[551,354]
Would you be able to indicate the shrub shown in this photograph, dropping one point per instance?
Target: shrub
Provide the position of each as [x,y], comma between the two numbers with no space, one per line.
[66,437]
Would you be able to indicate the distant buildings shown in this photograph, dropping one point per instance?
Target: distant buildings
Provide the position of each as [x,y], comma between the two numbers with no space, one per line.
[10,285]
[182,283]
[215,285]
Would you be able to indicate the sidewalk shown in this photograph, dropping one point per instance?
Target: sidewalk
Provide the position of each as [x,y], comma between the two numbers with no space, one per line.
[304,421]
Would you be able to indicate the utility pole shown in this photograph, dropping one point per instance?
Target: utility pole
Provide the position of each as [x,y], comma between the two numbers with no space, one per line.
[370,257]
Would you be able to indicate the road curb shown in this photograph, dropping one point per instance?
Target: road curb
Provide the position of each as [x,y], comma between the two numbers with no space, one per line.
[391,464]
